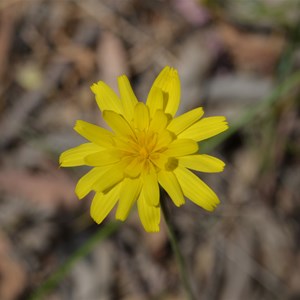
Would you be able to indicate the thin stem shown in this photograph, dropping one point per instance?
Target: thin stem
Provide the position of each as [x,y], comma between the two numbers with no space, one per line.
[177,252]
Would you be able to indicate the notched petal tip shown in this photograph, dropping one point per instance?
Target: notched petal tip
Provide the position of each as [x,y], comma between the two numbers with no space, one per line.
[226,124]
[179,203]
[196,190]
[79,124]
[122,77]
[153,229]
[62,162]
[120,218]
[93,87]
[169,83]
[106,97]
[205,128]
[213,206]
[222,167]
[170,71]
[202,163]
[150,226]
[75,156]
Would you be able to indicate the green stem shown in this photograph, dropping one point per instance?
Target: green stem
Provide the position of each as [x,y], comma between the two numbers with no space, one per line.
[175,247]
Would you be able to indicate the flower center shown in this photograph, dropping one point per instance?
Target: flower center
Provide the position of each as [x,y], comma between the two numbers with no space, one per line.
[145,144]
[144,153]
[145,149]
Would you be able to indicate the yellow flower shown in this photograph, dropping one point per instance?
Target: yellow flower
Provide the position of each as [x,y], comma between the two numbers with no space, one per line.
[148,147]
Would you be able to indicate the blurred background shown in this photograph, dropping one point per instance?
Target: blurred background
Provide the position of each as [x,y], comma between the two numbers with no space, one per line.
[240,59]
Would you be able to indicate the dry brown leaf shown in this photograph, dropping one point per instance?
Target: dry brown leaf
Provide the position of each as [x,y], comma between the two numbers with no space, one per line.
[81,56]
[13,276]
[252,51]
[53,189]
[112,59]
[8,20]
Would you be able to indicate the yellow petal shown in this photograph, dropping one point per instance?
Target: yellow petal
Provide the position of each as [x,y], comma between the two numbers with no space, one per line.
[132,166]
[181,147]
[129,193]
[102,158]
[196,190]
[182,122]
[164,138]
[75,156]
[102,204]
[112,176]
[94,133]
[128,97]
[86,182]
[151,189]
[202,163]
[205,128]
[117,122]
[171,185]
[168,81]
[127,144]
[106,97]
[155,100]
[149,215]
[141,116]
[160,160]
[159,121]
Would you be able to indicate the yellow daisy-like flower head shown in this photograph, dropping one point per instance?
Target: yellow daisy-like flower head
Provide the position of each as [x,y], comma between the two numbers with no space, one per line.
[148,147]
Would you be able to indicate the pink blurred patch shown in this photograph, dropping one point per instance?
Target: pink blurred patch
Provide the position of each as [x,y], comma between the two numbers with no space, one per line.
[193,12]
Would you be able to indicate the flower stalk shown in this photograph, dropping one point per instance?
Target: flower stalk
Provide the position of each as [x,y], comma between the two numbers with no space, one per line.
[176,250]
